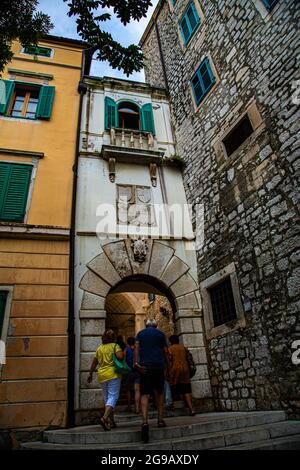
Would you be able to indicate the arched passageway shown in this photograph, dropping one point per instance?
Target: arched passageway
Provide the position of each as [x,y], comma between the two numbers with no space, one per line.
[113,281]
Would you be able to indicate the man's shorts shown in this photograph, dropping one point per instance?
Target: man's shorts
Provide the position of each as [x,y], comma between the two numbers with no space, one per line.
[152,380]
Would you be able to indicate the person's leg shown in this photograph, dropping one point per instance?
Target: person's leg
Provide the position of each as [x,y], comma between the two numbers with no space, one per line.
[113,390]
[128,387]
[189,401]
[144,408]
[168,396]
[159,399]
[137,397]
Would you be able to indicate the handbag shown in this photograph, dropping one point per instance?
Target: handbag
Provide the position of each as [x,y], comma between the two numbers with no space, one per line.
[121,365]
[191,364]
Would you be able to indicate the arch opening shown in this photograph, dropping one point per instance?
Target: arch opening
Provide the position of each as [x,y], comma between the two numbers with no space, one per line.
[135,299]
[129,115]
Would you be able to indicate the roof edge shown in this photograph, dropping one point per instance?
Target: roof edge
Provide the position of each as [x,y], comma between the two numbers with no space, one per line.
[60,39]
[151,21]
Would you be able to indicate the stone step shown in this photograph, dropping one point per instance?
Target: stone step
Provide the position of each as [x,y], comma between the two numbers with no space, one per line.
[128,433]
[251,437]
[279,443]
[128,417]
[177,427]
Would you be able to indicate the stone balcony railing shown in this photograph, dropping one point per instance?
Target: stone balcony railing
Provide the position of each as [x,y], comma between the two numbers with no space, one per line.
[134,139]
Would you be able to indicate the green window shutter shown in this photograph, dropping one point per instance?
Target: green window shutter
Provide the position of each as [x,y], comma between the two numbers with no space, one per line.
[6,91]
[111,113]
[14,186]
[45,104]
[147,118]
[3,297]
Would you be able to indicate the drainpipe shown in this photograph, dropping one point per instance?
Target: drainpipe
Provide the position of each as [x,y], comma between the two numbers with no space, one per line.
[85,67]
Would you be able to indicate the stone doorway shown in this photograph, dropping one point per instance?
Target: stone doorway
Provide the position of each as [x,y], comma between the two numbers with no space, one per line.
[117,271]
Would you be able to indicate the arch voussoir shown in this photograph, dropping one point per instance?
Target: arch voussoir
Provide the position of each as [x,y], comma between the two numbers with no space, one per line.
[117,254]
[174,270]
[102,266]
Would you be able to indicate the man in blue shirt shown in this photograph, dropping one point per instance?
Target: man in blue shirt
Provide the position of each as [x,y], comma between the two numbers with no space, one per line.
[150,356]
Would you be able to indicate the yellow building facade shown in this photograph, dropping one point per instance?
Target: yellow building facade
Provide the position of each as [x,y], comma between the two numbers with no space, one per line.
[39,106]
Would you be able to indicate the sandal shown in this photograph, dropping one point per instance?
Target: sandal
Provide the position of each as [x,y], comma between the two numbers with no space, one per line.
[161,424]
[104,424]
[145,433]
[192,413]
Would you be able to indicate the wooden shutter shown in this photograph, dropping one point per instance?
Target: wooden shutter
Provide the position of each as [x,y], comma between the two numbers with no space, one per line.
[147,118]
[6,91]
[45,104]
[14,186]
[3,297]
[111,114]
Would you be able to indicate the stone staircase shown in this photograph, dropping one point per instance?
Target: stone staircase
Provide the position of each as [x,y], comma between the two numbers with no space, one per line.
[230,431]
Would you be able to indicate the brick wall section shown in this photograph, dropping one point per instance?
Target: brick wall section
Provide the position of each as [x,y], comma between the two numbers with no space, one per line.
[250,200]
[33,385]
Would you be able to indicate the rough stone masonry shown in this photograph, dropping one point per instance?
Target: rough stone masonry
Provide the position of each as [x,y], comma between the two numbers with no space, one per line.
[250,198]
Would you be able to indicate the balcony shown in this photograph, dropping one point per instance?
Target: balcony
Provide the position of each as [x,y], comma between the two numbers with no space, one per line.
[129,138]
[132,146]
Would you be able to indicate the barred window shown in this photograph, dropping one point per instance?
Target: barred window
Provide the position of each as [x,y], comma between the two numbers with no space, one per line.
[222,301]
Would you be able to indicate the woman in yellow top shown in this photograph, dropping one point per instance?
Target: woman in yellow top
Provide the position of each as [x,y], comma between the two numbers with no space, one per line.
[107,376]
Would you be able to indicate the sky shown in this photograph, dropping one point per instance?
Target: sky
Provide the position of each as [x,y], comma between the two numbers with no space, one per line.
[126,35]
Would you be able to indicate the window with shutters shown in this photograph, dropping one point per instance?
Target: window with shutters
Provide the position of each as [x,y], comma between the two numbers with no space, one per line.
[189,22]
[202,81]
[14,187]
[38,50]
[269,4]
[26,101]
[128,115]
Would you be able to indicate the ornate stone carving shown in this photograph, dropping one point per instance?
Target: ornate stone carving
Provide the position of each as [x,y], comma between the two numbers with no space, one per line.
[139,248]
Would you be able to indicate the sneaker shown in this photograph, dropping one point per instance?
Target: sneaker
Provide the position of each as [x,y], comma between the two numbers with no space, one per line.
[145,433]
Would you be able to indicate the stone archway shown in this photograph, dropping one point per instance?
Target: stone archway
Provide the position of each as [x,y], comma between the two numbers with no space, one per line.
[159,265]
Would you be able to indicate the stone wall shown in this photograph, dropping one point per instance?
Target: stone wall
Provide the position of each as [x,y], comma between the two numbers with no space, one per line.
[249,198]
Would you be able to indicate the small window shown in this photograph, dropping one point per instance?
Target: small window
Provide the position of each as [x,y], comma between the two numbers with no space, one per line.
[3,298]
[189,22]
[222,302]
[269,4]
[202,81]
[38,50]
[129,116]
[238,135]
[14,187]
[25,101]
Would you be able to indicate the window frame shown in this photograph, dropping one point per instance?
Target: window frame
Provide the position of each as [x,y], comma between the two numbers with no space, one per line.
[213,331]
[23,51]
[25,86]
[267,5]
[212,74]
[184,16]
[33,166]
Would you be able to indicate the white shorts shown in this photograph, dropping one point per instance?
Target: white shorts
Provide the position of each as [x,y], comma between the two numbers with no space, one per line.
[111,392]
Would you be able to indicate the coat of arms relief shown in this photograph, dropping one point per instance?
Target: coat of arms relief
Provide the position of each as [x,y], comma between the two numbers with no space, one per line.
[135,205]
